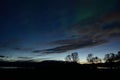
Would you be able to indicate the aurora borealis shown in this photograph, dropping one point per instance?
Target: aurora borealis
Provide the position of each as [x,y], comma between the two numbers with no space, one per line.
[51,29]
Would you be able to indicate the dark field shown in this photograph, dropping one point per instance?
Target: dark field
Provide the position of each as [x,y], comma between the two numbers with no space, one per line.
[58,70]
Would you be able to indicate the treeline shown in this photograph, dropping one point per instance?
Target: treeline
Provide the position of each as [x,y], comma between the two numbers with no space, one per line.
[108,58]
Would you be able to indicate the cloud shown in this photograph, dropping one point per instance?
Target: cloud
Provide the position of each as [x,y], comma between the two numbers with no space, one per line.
[99,27]
[88,33]
[14,44]
[22,49]
[64,48]
[2,57]
[25,57]
[111,17]
[32,59]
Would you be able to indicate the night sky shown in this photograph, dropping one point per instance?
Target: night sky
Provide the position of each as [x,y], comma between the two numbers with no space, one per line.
[51,29]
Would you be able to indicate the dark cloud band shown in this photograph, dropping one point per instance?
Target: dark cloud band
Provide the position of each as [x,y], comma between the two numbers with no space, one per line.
[93,33]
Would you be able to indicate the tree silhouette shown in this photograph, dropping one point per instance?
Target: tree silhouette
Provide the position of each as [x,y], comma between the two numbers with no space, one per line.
[113,57]
[75,57]
[110,57]
[118,56]
[96,60]
[90,58]
[72,58]
[68,58]
[107,57]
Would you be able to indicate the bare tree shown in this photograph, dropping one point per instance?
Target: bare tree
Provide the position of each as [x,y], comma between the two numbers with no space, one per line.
[107,57]
[110,57]
[96,60]
[113,57]
[68,58]
[72,58]
[75,57]
[90,58]
[118,56]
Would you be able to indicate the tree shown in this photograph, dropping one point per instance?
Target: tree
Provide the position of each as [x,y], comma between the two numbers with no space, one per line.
[107,57]
[75,57]
[110,57]
[68,58]
[118,56]
[96,60]
[90,58]
[113,57]
[72,58]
